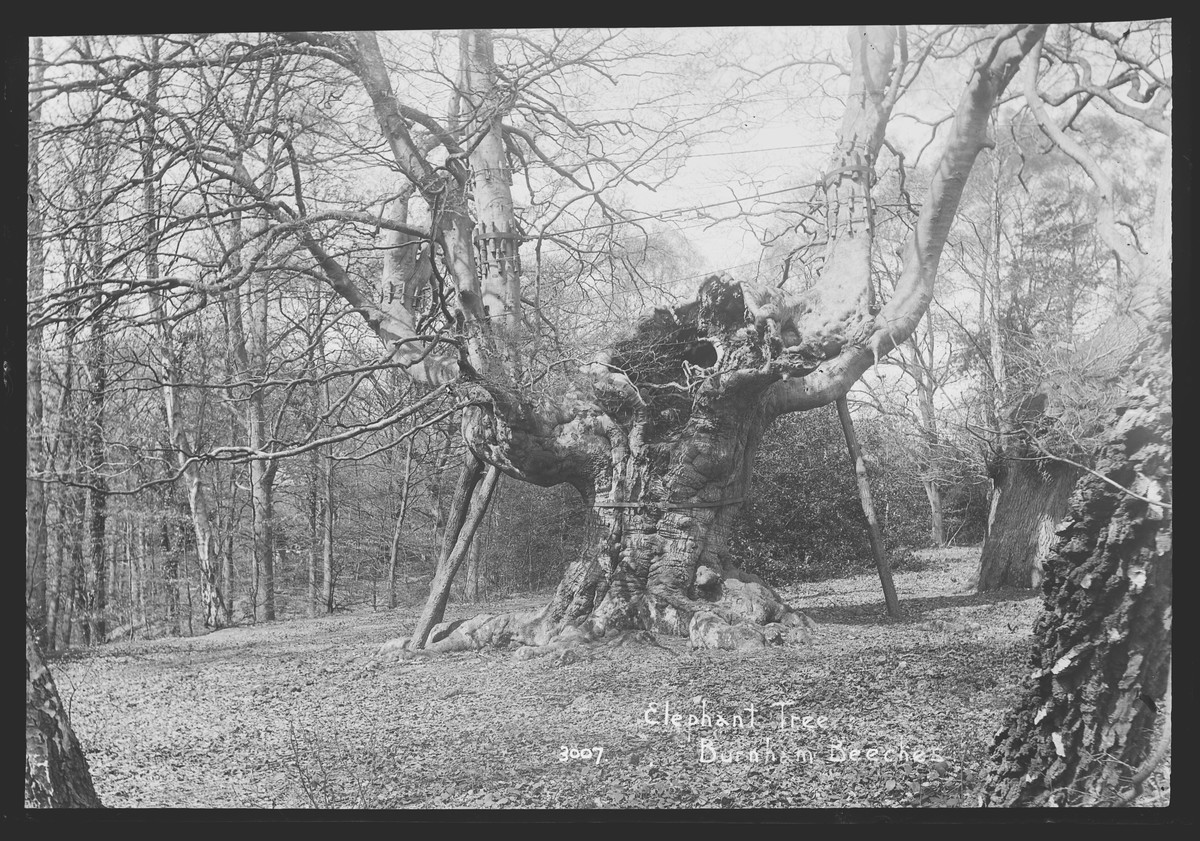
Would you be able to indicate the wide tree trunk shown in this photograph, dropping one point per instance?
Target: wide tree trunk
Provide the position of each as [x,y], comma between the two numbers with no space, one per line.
[658,435]
[1085,730]
[1031,496]
[672,477]
[56,771]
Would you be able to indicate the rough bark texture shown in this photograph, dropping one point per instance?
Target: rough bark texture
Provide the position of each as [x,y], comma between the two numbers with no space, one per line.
[56,771]
[170,568]
[1031,498]
[1102,656]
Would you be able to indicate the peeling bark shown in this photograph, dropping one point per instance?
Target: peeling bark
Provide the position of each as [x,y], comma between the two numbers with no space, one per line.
[1101,662]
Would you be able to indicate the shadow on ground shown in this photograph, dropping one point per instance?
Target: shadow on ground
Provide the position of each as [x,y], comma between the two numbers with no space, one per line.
[914,610]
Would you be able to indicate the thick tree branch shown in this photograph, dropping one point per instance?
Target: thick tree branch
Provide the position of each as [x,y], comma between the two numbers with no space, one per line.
[914,289]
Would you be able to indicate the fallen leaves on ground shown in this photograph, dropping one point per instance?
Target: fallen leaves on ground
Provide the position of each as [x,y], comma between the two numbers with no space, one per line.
[302,714]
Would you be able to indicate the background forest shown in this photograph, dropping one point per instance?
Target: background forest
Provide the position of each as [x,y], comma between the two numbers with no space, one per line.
[126,377]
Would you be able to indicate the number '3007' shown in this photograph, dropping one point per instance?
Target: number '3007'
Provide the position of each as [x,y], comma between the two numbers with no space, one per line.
[566,754]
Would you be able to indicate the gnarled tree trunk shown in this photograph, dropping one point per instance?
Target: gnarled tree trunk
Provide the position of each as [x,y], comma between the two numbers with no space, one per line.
[658,435]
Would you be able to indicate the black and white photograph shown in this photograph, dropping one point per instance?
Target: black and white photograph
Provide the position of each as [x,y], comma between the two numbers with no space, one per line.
[587,422]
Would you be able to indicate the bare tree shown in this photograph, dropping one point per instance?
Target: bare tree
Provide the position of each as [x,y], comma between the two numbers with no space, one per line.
[658,434]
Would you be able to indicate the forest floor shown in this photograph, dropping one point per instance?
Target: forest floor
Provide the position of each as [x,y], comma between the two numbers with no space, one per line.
[302,713]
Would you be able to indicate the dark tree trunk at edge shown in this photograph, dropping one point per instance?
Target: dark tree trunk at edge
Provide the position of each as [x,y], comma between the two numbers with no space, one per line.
[56,771]
[1101,660]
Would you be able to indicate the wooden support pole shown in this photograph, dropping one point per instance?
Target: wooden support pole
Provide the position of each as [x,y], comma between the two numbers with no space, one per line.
[471,500]
[864,495]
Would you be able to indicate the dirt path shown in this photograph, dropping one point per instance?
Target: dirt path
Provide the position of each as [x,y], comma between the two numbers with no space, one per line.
[300,714]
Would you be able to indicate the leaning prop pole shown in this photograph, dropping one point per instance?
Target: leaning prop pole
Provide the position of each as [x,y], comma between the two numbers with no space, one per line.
[868,507]
[474,493]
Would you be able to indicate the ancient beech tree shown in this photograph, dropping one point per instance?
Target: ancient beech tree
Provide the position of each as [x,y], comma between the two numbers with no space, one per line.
[659,433]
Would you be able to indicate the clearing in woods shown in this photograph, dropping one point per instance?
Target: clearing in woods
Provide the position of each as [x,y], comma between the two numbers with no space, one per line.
[302,713]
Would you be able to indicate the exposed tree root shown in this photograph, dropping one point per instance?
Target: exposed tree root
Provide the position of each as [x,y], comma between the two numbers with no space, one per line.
[733,610]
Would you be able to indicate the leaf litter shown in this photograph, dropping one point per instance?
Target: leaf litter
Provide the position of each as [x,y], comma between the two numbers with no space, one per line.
[302,714]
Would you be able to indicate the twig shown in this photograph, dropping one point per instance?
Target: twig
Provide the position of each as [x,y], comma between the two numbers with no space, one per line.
[1119,487]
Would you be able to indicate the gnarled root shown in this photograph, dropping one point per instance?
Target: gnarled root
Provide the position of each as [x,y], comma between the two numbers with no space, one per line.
[732,610]
[740,612]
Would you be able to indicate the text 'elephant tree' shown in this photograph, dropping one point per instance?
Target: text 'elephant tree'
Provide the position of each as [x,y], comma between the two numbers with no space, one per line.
[658,434]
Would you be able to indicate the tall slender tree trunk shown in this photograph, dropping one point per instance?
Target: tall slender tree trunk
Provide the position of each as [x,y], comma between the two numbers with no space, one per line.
[937,526]
[170,579]
[98,492]
[166,362]
[397,531]
[328,517]
[54,571]
[36,572]
[473,575]
[56,770]
[248,331]
[262,508]
[314,533]
[922,362]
